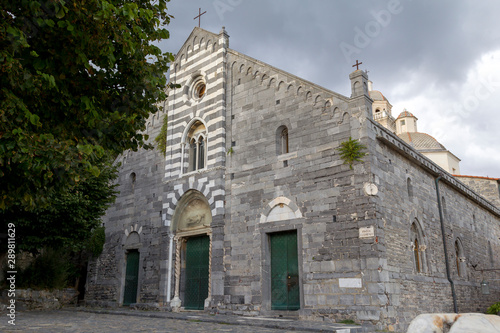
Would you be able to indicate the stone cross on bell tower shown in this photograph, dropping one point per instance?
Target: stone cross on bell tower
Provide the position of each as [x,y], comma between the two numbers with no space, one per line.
[360,95]
[357,64]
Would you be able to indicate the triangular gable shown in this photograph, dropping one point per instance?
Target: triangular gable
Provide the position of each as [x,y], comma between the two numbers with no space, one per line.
[198,34]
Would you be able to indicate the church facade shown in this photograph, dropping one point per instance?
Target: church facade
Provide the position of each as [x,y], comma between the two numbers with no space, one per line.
[253,211]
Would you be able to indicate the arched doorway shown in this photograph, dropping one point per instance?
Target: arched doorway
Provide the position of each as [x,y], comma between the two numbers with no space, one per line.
[191,226]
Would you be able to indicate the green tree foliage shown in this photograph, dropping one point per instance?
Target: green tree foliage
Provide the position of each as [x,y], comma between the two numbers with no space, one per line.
[51,269]
[96,241]
[351,151]
[71,221]
[78,79]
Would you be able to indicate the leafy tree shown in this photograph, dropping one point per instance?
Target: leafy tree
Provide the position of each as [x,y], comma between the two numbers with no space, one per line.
[78,80]
[71,221]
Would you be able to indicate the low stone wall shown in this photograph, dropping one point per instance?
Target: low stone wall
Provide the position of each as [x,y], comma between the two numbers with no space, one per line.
[29,299]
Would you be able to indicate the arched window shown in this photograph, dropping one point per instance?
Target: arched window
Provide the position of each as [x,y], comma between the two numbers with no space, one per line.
[409,187]
[132,178]
[195,144]
[445,208]
[416,254]
[417,247]
[460,258]
[490,252]
[282,140]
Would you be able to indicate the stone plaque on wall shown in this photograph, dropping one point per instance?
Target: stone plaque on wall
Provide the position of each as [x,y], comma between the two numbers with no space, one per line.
[366,232]
[350,283]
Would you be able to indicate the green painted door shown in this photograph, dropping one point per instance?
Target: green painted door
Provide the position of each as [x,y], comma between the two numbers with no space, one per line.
[197,259]
[284,271]
[131,278]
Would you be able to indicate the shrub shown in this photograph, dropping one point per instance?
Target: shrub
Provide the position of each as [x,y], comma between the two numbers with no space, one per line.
[96,242]
[49,270]
[494,309]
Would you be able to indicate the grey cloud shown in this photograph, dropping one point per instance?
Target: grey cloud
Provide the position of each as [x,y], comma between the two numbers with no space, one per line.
[435,43]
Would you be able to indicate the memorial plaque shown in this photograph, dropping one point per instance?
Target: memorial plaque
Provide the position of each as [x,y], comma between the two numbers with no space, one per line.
[366,232]
[350,283]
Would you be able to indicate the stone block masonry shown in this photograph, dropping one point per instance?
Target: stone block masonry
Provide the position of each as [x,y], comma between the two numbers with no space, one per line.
[256,148]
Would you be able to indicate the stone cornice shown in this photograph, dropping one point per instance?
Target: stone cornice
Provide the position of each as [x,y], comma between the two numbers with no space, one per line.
[291,77]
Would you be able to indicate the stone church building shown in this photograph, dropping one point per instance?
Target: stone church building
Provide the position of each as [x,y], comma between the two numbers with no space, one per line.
[253,211]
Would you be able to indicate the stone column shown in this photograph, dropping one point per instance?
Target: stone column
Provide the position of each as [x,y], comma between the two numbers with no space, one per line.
[209,298]
[169,277]
[183,152]
[176,301]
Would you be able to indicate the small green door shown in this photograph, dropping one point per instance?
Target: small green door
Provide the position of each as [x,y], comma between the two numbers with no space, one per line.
[197,260]
[284,271]
[131,278]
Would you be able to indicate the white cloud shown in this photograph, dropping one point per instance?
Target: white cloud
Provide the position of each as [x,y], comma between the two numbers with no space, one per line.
[464,117]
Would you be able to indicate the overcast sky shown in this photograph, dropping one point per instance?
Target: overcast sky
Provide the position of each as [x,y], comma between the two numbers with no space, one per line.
[438,59]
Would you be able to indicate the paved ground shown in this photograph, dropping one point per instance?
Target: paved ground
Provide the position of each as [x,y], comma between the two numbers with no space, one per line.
[98,320]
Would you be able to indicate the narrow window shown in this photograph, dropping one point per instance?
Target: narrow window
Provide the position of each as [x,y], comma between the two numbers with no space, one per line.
[284,141]
[132,179]
[445,209]
[417,247]
[201,153]
[409,187]
[192,155]
[416,255]
[490,252]
[460,258]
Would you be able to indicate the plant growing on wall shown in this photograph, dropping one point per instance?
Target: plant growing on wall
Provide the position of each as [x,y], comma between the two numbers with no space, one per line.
[161,139]
[351,151]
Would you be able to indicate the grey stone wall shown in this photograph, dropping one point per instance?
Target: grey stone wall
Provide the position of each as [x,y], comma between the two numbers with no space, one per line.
[254,190]
[489,188]
[312,177]
[138,208]
[410,292]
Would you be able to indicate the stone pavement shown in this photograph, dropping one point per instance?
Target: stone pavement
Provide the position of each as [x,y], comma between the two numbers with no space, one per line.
[125,320]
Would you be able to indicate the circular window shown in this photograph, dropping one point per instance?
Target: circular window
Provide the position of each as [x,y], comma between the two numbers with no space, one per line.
[199,88]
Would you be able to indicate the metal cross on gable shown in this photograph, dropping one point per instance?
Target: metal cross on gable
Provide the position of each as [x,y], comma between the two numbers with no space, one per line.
[199,16]
[357,64]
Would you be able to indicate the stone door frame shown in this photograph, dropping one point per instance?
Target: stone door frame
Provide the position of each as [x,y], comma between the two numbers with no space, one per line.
[179,239]
[273,227]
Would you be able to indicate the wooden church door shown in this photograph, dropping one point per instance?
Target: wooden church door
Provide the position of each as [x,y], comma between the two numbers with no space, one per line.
[285,293]
[131,278]
[197,264]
